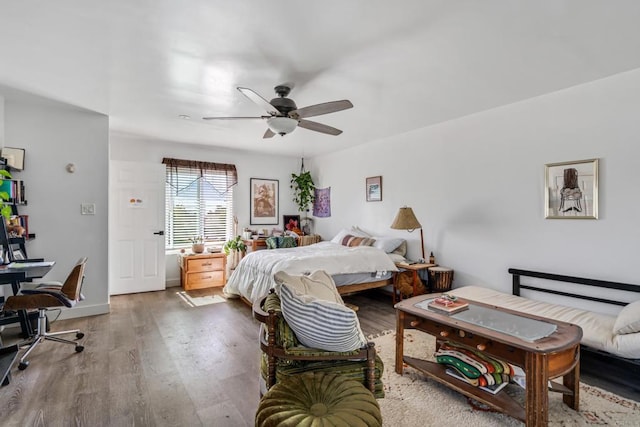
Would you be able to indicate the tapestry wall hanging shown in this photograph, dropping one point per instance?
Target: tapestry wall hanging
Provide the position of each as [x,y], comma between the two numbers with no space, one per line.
[322,203]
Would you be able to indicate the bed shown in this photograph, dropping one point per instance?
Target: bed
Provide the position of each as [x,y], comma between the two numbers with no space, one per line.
[610,345]
[353,268]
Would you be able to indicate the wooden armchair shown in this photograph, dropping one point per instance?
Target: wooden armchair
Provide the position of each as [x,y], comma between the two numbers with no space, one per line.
[283,355]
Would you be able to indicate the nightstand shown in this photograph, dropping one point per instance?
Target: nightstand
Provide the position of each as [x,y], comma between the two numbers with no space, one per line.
[199,271]
[414,268]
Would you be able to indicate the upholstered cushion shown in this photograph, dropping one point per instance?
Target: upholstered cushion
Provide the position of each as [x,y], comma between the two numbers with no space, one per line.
[317,399]
[314,310]
[350,240]
[628,320]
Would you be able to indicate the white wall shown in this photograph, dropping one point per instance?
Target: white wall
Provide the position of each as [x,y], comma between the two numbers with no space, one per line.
[53,137]
[249,165]
[477,186]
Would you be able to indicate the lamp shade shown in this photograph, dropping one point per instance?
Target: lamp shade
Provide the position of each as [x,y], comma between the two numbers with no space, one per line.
[405,220]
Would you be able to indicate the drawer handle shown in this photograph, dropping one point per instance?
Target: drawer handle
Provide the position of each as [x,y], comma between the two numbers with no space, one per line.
[414,323]
[207,277]
[482,347]
[207,263]
[444,333]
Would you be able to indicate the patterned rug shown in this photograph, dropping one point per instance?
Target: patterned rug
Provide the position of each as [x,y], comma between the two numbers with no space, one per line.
[413,401]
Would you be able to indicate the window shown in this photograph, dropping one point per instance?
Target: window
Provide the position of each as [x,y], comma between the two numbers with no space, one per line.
[199,201]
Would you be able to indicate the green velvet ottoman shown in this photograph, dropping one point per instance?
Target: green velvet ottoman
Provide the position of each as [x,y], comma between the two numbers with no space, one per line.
[316,400]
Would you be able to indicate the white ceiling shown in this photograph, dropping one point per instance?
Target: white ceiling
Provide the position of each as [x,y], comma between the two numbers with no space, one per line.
[404,64]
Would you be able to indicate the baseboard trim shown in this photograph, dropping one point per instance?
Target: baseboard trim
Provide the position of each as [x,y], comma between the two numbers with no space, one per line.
[84,311]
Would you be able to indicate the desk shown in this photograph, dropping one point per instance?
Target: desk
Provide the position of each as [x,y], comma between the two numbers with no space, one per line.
[11,275]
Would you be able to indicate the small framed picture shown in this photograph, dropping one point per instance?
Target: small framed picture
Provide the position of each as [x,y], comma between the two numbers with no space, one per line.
[14,157]
[291,222]
[571,190]
[374,189]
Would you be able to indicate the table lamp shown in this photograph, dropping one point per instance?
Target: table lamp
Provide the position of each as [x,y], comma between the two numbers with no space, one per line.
[406,220]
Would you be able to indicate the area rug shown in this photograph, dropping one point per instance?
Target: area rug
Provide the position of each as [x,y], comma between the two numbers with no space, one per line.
[412,400]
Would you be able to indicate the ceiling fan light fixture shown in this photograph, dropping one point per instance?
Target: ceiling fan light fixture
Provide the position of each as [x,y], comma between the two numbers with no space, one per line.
[282,125]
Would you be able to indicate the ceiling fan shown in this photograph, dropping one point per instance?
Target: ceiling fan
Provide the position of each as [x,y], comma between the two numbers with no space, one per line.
[284,115]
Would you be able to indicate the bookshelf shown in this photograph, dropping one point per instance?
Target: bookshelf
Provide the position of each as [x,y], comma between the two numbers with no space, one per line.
[17,197]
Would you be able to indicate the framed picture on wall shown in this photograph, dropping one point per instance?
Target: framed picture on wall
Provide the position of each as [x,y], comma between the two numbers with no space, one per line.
[374,189]
[291,222]
[571,190]
[263,203]
[14,157]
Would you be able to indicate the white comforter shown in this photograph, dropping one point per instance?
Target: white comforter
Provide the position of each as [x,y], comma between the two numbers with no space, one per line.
[253,277]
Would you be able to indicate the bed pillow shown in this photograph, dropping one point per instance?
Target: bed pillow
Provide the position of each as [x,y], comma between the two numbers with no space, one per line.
[338,237]
[628,320]
[314,310]
[402,249]
[387,244]
[397,258]
[350,240]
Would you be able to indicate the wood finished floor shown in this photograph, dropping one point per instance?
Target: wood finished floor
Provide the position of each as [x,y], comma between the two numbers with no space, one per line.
[155,361]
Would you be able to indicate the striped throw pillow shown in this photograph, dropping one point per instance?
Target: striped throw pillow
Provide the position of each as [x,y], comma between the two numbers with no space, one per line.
[315,312]
[350,240]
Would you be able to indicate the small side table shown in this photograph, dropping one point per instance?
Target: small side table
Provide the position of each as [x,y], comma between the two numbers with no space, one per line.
[415,268]
[440,279]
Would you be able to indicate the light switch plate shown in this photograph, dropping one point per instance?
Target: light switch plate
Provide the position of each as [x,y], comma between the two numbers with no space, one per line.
[88,208]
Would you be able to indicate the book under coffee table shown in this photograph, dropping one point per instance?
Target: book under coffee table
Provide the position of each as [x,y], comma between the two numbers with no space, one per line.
[543,348]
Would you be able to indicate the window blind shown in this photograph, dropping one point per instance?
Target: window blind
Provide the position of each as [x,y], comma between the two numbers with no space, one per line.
[199,201]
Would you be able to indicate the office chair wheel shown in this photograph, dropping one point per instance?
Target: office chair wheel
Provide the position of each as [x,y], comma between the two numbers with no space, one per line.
[79,348]
[79,335]
[23,365]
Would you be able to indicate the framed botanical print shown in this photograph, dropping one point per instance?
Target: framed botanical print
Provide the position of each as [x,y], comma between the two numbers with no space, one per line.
[263,203]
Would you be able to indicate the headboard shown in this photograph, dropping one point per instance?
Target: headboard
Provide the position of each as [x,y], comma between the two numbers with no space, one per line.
[517,273]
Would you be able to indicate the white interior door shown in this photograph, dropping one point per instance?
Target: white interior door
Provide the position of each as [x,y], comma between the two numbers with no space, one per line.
[136,227]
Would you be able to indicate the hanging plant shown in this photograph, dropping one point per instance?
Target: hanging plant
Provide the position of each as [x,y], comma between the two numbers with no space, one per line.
[303,190]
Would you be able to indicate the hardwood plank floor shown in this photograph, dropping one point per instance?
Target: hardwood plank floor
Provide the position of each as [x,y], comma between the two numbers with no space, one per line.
[156,361]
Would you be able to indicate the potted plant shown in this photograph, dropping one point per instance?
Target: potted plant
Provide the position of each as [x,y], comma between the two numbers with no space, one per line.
[303,190]
[234,249]
[5,210]
[197,244]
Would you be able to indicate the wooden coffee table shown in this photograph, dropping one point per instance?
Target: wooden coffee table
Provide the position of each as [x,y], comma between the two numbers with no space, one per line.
[556,355]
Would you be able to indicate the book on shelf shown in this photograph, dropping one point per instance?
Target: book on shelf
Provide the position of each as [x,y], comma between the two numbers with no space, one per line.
[448,306]
[493,388]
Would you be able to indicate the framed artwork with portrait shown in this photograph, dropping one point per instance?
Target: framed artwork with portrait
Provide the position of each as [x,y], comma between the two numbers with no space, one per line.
[263,201]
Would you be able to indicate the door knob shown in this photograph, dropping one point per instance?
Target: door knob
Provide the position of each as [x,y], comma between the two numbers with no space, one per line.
[159,233]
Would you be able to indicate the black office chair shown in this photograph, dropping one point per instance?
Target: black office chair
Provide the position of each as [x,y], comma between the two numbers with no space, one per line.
[49,295]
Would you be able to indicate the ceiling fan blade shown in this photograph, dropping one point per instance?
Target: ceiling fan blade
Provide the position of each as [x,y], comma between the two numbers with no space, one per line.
[320,109]
[318,127]
[236,118]
[268,134]
[253,96]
